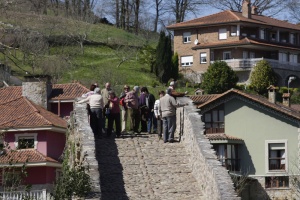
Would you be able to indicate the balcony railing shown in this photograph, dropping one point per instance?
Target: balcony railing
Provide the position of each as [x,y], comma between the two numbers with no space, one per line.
[19,195]
[247,64]
[232,165]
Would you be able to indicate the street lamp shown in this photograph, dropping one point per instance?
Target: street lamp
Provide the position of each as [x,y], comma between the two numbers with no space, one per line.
[289,81]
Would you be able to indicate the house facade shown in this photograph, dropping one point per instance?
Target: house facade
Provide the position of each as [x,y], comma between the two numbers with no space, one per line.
[255,138]
[33,132]
[239,38]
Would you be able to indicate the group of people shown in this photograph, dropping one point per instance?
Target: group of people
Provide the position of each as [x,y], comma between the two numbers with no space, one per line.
[153,116]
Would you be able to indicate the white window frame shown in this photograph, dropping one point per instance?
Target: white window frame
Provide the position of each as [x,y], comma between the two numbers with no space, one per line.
[282,57]
[224,55]
[204,56]
[222,34]
[252,55]
[186,61]
[26,135]
[267,142]
[187,37]
[245,54]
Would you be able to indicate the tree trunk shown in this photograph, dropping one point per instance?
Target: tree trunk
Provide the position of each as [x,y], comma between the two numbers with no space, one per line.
[127,15]
[123,13]
[117,14]
[136,16]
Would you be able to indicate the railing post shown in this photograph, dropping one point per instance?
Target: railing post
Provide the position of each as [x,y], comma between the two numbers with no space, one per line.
[44,194]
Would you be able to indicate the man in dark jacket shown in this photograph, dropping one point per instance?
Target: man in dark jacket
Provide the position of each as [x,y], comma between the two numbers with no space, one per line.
[149,103]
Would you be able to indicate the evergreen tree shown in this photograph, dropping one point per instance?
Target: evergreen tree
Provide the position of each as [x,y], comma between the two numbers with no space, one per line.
[175,66]
[262,77]
[219,78]
[163,67]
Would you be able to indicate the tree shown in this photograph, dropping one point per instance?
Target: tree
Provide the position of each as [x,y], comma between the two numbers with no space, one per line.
[147,56]
[175,65]
[268,7]
[294,7]
[163,65]
[262,77]
[219,78]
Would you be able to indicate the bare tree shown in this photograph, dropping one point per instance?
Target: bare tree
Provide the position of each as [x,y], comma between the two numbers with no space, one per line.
[158,13]
[293,8]
[266,7]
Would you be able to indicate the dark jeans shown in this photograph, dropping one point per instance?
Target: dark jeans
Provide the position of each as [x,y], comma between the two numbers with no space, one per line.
[135,118]
[96,120]
[114,117]
[151,121]
[159,127]
[144,119]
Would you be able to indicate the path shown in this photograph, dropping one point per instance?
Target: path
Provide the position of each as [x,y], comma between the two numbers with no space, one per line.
[141,167]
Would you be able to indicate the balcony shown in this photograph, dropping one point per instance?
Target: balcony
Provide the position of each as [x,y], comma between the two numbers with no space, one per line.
[232,165]
[247,64]
[18,195]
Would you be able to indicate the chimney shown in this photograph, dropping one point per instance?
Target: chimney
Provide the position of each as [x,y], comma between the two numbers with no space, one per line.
[246,9]
[272,93]
[286,99]
[254,10]
[37,89]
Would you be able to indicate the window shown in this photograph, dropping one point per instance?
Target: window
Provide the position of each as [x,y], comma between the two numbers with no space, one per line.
[226,55]
[186,61]
[277,182]
[292,38]
[214,121]
[222,34]
[212,55]
[203,58]
[293,58]
[282,57]
[262,34]
[227,154]
[186,37]
[276,156]
[26,141]
[252,55]
[233,31]
[245,54]
[273,36]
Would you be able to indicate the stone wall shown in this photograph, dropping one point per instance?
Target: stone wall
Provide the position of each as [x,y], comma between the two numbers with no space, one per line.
[213,178]
[84,131]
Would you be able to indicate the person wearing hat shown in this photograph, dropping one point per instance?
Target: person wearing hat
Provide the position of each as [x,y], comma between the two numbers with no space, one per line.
[96,105]
[132,103]
[174,93]
[167,108]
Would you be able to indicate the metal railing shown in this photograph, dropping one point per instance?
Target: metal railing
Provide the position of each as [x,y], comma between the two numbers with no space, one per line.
[244,64]
[19,195]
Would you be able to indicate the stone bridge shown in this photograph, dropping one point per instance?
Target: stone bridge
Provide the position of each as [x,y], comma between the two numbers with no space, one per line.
[143,167]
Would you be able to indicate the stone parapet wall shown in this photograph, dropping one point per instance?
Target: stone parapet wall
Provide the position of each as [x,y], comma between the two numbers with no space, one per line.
[83,130]
[212,177]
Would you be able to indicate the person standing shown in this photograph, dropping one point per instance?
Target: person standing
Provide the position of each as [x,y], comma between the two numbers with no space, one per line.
[132,103]
[151,120]
[88,108]
[174,93]
[124,108]
[104,93]
[96,104]
[167,107]
[157,114]
[143,109]
[114,115]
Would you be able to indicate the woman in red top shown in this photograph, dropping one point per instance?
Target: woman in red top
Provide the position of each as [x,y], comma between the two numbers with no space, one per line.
[114,115]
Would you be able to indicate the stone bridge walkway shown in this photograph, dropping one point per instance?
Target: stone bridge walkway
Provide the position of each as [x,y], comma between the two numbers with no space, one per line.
[141,167]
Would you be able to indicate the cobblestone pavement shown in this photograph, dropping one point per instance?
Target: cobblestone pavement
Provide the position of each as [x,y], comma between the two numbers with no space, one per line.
[139,167]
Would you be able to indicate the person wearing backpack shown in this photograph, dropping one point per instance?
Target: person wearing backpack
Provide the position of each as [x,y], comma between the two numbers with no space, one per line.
[124,109]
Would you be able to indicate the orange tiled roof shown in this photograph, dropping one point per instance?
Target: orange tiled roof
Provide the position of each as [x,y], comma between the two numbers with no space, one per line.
[21,112]
[68,91]
[199,99]
[233,17]
[24,155]
[258,99]
[221,136]
[244,41]
[59,91]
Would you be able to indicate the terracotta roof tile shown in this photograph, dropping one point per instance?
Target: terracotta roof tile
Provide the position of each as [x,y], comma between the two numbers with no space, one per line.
[21,112]
[258,99]
[68,91]
[232,17]
[10,93]
[24,155]
[221,136]
[245,41]
[199,99]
